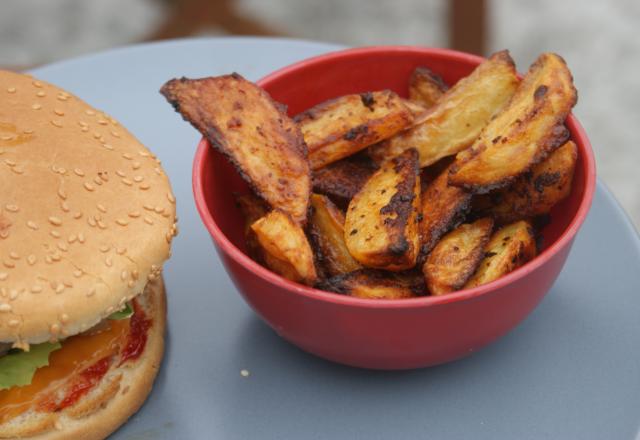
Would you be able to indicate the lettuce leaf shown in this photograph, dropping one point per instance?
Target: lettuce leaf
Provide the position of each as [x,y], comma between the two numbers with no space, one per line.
[18,367]
[122,314]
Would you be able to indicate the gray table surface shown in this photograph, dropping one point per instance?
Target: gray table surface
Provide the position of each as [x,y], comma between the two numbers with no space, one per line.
[570,371]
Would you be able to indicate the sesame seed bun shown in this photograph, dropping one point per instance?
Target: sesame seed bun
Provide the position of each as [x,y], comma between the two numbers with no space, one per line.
[116,397]
[87,214]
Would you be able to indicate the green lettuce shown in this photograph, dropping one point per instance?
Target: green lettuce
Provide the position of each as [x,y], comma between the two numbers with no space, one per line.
[122,314]
[18,367]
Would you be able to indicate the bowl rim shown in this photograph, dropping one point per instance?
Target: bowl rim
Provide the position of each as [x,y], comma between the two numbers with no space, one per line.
[223,243]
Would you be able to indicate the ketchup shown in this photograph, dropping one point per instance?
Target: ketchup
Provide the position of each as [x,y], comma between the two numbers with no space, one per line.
[138,333]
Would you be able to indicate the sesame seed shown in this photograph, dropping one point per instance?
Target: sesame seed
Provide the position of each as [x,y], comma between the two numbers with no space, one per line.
[135,275]
[168,236]
[59,288]
[90,112]
[56,123]
[101,225]
[13,294]
[77,215]
[68,283]
[4,234]
[36,106]
[101,208]
[115,134]
[136,165]
[84,129]
[4,307]
[14,255]
[158,209]
[58,112]
[18,170]
[56,221]
[108,146]
[54,234]
[91,292]
[65,206]
[138,179]
[148,221]
[41,94]
[148,207]
[77,273]
[127,182]
[62,193]
[10,162]
[127,156]
[14,323]
[3,276]
[122,222]
[12,208]
[143,153]
[96,135]
[171,198]
[9,264]
[28,131]
[104,176]
[151,277]
[92,221]
[7,137]
[131,283]
[88,186]
[48,259]
[134,214]
[108,262]
[62,246]
[102,122]
[36,289]
[104,248]
[145,186]
[31,259]
[78,172]
[81,237]
[121,174]
[56,257]
[11,89]
[37,84]
[124,275]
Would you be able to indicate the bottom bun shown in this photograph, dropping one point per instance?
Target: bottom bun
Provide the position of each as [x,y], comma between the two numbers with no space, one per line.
[118,395]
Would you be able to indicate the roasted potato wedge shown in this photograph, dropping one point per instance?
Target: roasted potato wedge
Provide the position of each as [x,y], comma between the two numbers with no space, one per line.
[285,247]
[535,192]
[509,248]
[381,227]
[252,208]
[443,207]
[426,87]
[459,115]
[343,126]
[326,228]
[377,284]
[524,132]
[242,121]
[341,180]
[456,256]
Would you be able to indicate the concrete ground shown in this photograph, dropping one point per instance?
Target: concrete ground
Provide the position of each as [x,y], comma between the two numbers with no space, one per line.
[598,40]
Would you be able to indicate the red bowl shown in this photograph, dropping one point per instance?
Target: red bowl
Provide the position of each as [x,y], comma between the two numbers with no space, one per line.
[382,334]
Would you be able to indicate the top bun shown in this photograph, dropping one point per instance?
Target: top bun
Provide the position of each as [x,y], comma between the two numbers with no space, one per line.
[87,214]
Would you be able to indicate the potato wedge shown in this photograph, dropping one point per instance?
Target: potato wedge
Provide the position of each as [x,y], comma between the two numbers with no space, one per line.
[443,207]
[326,228]
[252,208]
[426,87]
[459,116]
[509,248]
[285,247]
[242,121]
[341,180]
[381,227]
[535,192]
[456,256]
[524,133]
[377,284]
[343,126]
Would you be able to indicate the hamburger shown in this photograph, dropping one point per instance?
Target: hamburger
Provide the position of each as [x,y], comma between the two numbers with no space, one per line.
[87,217]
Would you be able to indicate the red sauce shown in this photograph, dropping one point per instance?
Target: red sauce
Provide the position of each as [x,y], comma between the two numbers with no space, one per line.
[81,385]
[138,333]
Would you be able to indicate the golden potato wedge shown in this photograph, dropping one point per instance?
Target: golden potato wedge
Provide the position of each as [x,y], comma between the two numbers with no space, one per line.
[343,126]
[535,192]
[326,228]
[525,131]
[509,248]
[459,115]
[285,247]
[381,227]
[419,113]
[341,180]
[242,121]
[443,207]
[426,87]
[456,256]
[377,284]
[252,209]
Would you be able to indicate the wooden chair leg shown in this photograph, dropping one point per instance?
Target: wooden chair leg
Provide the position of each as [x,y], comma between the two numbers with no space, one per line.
[468,25]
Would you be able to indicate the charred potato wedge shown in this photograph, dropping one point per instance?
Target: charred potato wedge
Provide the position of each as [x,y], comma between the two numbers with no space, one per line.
[341,180]
[456,257]
[509,248]
[524,132]
[285,247]
[343,126]
[443,207]
[242,121]
[426,87]
[252,209]
[377,284]
[381,228]
[459,115]
[535,192]
[326,228]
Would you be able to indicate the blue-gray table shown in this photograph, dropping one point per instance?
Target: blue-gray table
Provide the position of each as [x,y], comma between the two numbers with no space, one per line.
[570,371]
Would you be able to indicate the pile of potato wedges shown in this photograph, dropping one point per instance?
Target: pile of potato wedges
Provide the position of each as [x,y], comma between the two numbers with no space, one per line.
[378,196]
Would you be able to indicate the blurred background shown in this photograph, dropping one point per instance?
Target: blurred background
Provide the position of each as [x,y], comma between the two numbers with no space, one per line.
[598,40]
